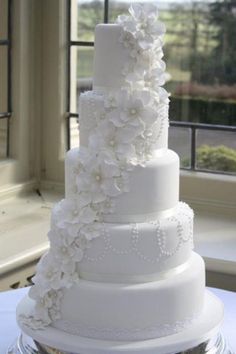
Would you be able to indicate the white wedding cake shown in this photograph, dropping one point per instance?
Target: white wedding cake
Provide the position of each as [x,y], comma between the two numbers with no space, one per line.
[120,275]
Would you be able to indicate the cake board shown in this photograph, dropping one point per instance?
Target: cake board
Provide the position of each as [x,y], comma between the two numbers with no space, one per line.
[201,337]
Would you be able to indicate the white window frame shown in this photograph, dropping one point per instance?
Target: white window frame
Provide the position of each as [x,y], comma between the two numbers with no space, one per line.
[37,125]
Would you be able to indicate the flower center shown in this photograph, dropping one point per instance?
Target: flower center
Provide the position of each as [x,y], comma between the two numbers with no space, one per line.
[49,274]
[133,111]
[63,250]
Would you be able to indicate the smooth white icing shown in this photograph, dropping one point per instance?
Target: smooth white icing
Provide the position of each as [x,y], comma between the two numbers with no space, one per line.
[153,188]
[109,57]
[136,311]
[201,330]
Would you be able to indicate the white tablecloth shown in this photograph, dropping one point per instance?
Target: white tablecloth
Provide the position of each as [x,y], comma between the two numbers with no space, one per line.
[9,329]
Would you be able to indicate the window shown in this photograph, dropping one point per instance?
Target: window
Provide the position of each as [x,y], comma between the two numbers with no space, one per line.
[200,53]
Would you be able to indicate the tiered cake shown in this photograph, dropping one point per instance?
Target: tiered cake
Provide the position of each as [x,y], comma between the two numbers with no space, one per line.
[120,269]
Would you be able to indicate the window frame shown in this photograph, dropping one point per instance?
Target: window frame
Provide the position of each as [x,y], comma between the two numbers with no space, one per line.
[202,189]
[38,130]
[6,86]
[17,168]
[193,127]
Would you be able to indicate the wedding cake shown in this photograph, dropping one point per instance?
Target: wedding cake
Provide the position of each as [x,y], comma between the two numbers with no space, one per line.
[121,274]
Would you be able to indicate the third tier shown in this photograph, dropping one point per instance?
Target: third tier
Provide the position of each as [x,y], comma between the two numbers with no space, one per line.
[153,189]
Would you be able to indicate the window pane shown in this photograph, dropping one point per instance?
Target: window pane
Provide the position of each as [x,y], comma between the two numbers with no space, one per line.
[216,151]
[3,138]
[179,141]
[81,73]
[200,60]
[3,21]
[74,132]
[3,79]
[89,14]
[85,62]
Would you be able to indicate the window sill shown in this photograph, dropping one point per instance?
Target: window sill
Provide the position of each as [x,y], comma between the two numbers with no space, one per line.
[25,220]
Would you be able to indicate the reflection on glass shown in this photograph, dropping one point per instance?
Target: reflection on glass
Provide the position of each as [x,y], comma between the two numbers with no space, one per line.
[89,14]
[179,141]
[216,151]
[3,138]
[74,133]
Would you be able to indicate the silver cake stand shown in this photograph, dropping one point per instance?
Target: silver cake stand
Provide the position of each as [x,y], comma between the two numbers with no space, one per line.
[26,345]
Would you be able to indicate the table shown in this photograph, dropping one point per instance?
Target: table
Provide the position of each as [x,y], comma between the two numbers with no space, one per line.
[9,329]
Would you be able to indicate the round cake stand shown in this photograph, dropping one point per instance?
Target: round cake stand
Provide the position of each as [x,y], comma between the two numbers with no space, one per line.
[201,337]
[26,345]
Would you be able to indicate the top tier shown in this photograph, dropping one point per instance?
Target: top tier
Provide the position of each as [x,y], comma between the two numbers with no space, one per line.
[109,58]
[129,53]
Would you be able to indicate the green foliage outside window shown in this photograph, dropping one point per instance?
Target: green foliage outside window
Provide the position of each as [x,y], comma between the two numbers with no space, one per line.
[216,158]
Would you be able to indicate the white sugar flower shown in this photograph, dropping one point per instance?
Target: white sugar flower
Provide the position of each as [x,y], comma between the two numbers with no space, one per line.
[127,39]
[150,33]
[108,206]
[66,215]
[49,305]
[118,142]
[128,23]
[36,320]
[48,274]
[154,79]
[82,242]
[83,156]
[91,231]
[141,11]
[110,100]
[99,178]
[63,250]
[68,255]
[163,95]
[135,111]
[69,279]
[87,215]
[146,16]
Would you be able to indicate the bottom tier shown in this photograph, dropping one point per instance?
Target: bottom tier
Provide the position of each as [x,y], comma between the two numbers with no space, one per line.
[135,311]
[114,311]
[203,329]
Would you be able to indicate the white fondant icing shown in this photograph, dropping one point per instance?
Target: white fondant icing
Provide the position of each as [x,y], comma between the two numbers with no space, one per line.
[135,311]
[110,57]
[153,188]
[204,328]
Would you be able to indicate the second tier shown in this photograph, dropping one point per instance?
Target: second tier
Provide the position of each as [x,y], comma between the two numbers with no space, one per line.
[130,252]
[153,189]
